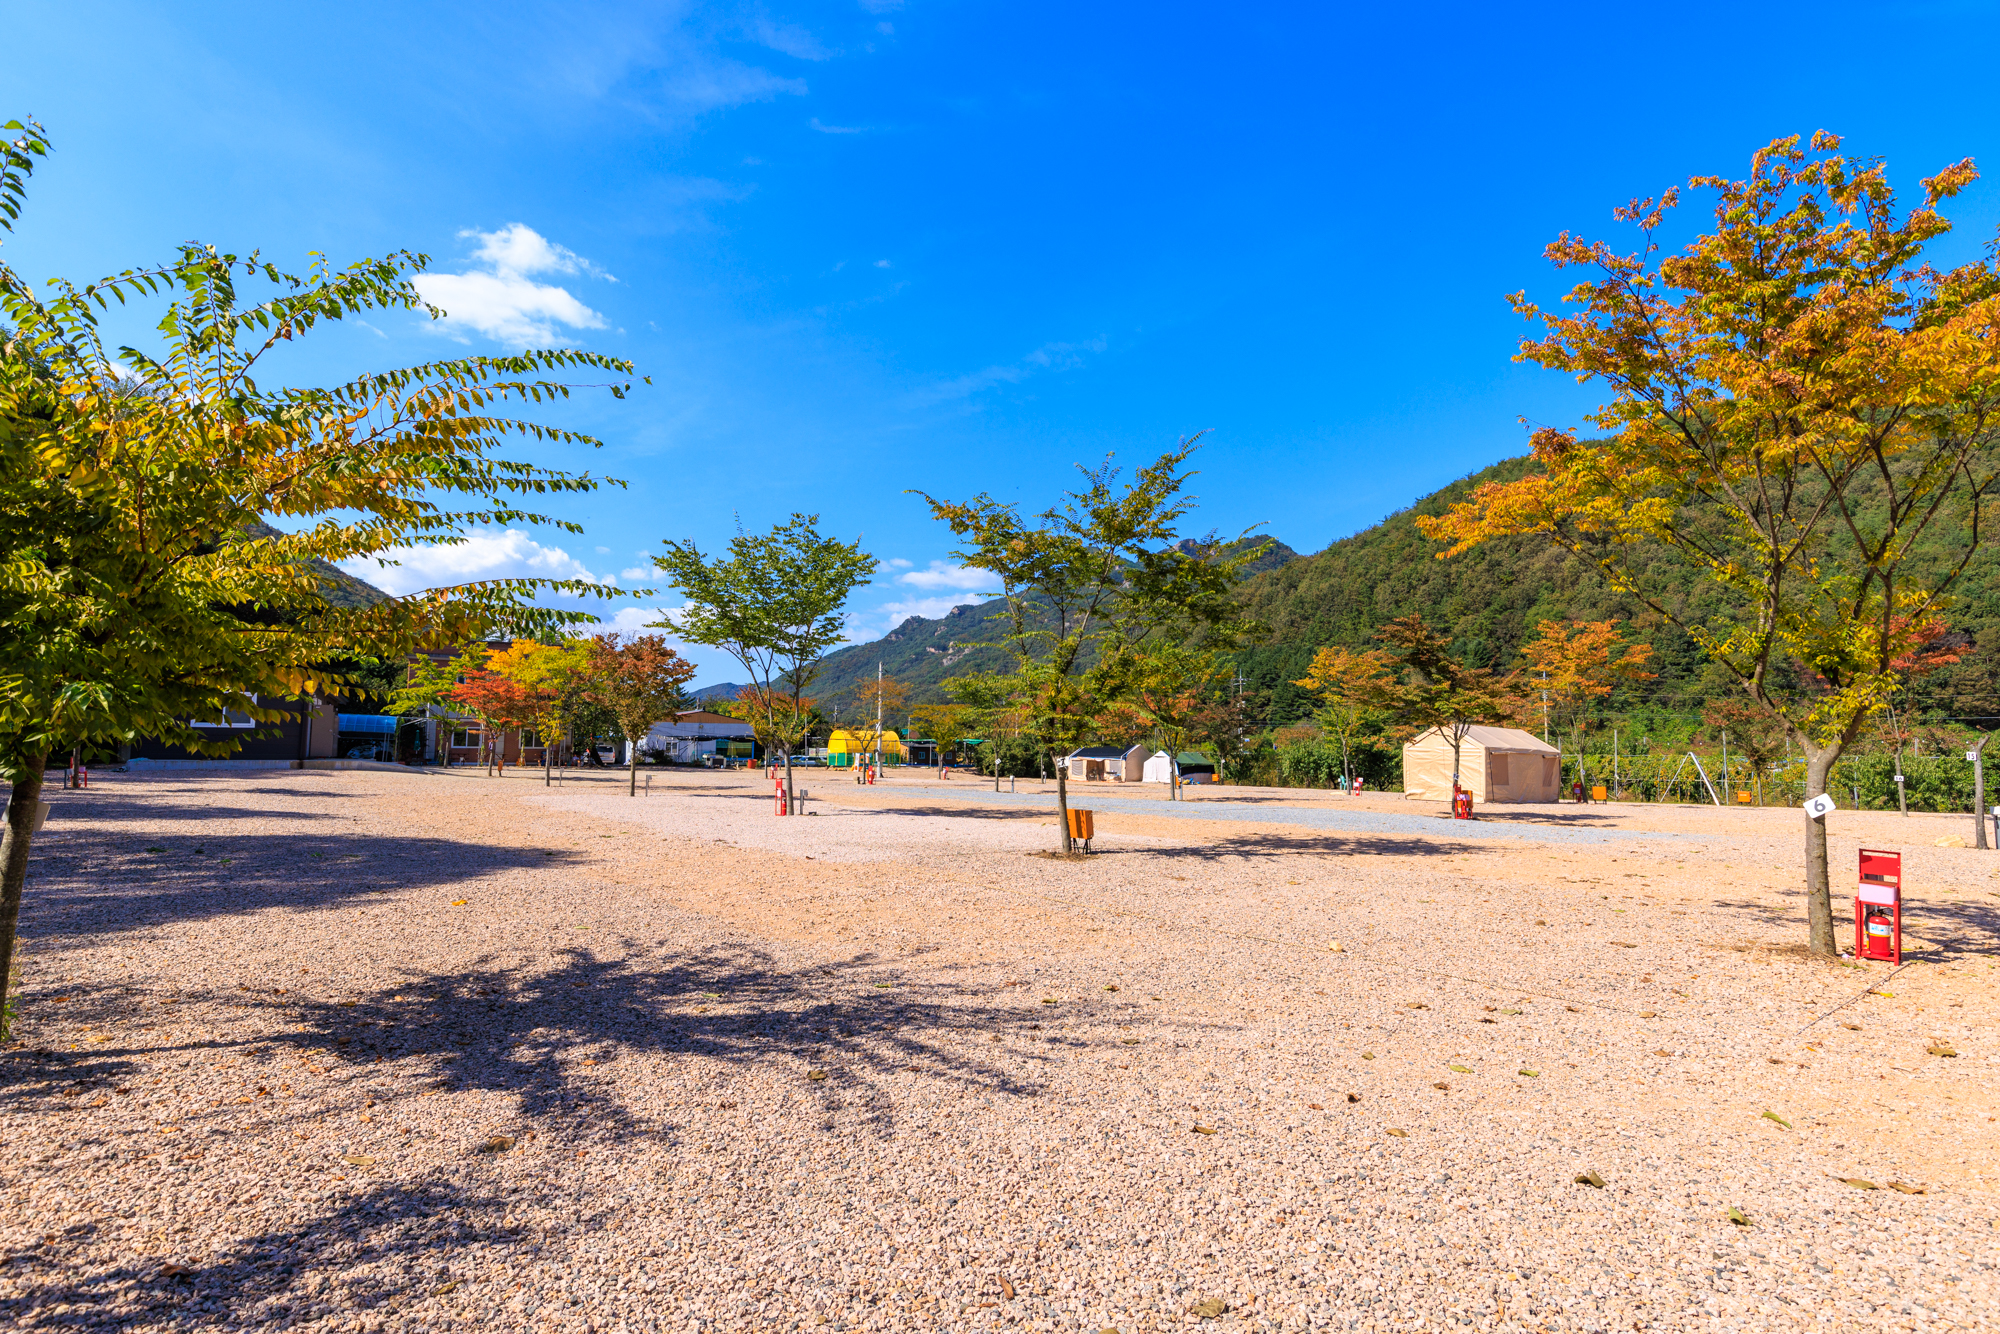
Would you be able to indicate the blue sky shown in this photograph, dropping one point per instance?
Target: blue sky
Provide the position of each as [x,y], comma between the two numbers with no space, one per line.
[864,247]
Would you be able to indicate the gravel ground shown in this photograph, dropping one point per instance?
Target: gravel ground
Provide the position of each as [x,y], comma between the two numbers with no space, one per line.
[380,1051]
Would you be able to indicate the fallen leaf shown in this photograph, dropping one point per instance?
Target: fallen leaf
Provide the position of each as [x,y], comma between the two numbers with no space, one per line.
[1532,1074]
[1111,988]
[1487,1008]
[1209,1308]
[1646,1014]
[446,1288]
[1852,1028]
[1484,1020]
[1589,1179]
[1938,1048]
[1572,1009]
[1736,1217]
[1315,1106]
[1418,1005]
[1354,1097]
[1662,1051]
[358,1160]
[1442,1085]
[460,903]
[1889,995]
[1510,1011]
[1130,1042]
[497,1144]
[1367,1055]
[1624,945]
[1907,1189]
[816,1075]
[1048,1000]
[174,1271]
[1461,1069]
[1399,1134]
[1859,1184]
[1334,947]
[1007,1289]
[1773,1116]
[1204,1130]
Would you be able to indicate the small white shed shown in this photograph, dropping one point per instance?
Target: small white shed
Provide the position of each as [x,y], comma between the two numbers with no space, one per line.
[1108,763]
[1495,764]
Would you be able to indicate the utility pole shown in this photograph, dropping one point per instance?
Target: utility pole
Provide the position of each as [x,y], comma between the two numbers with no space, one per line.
[878,716]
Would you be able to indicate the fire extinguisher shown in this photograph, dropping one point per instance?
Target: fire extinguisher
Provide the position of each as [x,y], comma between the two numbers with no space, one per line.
[1880,927]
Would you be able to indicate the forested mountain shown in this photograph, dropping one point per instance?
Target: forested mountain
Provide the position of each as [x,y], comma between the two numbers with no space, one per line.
[1490,599]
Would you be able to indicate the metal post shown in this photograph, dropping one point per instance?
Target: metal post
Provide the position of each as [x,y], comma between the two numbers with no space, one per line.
[1725,768]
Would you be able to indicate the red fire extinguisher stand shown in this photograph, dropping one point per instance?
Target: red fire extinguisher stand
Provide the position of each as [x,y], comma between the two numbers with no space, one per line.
[782,803]
[1878,907]
[1461,803]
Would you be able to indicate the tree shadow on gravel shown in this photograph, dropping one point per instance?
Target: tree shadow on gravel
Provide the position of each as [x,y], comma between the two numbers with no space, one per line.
[1326,845]
[383,1245]
[95,880]
[557,1038]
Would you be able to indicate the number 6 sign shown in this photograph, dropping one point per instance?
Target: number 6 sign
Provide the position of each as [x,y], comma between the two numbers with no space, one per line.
[1821,806]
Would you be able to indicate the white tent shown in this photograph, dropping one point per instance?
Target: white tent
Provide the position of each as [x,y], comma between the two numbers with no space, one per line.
[1495,764]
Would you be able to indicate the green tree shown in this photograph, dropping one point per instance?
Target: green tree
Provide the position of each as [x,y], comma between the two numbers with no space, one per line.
[1802,409]
[1090,578]
[776,604]
[1171,685]
[1434,691]
[140,588]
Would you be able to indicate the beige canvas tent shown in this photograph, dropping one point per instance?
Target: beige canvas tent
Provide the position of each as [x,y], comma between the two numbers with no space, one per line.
[1495,764]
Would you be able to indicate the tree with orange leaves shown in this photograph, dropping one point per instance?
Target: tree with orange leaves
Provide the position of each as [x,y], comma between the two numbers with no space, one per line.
[1349,686]
[501,706]
[1800,407]
[1574,663]
[641,681]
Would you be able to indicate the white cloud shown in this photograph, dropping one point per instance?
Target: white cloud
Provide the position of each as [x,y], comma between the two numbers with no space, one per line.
[942,574]
[486,553]
[604,551]
[502,301]
[882,264]
[638,574]
[893,563]
[786,39]
[823,128]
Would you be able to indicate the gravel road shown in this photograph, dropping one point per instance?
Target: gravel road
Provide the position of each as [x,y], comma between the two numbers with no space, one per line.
[380,1051]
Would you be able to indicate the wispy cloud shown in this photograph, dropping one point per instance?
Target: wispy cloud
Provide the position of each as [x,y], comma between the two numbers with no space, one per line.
[824,128]
[943,574]
[1048,357]
[500,298]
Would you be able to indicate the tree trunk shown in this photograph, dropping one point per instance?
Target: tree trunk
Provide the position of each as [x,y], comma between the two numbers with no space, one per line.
[1062,804]
[791,793]
[1819,890]
[22,804]
[631,767]
[1979,794]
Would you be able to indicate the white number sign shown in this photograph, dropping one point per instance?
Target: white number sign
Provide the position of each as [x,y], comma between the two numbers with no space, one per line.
[1821,806]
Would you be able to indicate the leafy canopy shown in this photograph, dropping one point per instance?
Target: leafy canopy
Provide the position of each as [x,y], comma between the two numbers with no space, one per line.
[138,587]
[776,604]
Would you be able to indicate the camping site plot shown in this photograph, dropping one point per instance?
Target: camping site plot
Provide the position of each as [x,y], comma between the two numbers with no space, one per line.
[386,1051]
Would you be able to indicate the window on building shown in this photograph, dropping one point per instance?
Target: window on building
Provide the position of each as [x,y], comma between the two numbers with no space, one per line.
[229,718]
[464,740]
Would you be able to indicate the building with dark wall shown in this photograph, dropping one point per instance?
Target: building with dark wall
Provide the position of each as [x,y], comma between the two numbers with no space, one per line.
[310,731]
